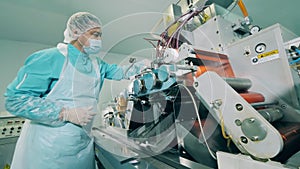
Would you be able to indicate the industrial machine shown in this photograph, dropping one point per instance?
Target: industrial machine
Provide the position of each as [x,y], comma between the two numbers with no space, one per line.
[10,127]
[221,93]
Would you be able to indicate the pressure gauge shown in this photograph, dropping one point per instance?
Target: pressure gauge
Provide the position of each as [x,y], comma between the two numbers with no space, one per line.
[260,48]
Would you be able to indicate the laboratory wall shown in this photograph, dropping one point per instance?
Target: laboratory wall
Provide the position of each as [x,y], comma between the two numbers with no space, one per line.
[268,12]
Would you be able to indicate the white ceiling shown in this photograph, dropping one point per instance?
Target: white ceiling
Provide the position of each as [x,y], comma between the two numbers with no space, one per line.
[125,22]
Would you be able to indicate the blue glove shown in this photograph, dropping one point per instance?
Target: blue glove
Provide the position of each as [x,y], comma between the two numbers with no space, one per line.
[136,68]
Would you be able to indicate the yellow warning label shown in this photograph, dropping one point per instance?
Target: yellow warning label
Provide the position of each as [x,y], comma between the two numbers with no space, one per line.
[273,52]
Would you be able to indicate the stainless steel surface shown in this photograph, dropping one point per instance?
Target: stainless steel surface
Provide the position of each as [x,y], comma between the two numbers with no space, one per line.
[10,129]
[116,153]
[7,147]
[217,32]
[238,161]
[272,75]
[254,129]
[212,88]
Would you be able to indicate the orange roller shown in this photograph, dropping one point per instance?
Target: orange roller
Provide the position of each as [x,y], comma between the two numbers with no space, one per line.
[253,97]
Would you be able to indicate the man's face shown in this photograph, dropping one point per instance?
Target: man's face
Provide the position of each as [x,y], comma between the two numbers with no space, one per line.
[94,33]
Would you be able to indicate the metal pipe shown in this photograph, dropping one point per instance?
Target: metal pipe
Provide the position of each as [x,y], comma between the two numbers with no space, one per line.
[239,84]
[271,114]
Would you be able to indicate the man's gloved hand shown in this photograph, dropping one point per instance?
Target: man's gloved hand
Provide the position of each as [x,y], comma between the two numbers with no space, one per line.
[80,116]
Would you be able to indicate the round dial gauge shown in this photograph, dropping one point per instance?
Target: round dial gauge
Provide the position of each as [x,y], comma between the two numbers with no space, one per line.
[260,48]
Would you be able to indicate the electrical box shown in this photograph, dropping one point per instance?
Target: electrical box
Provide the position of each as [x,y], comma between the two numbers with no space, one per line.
[10,126]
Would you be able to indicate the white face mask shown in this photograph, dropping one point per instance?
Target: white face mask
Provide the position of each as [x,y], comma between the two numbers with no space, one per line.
[94,48]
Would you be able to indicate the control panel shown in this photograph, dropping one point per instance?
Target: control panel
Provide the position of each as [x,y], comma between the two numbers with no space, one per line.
[10,126]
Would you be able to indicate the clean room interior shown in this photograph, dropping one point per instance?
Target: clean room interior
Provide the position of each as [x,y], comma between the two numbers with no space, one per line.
[28,26]
[32,25]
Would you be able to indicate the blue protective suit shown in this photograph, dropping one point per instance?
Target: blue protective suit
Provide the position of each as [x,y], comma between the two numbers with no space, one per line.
[46,83]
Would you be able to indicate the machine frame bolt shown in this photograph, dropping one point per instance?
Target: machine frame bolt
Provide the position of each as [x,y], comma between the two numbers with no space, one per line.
[238,122]
[244,139]
[283,106]
[239,107]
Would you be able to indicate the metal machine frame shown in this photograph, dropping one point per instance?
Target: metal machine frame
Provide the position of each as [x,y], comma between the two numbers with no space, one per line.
[209,86]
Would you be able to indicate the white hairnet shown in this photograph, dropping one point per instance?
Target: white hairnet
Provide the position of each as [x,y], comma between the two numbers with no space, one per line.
[78,24]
